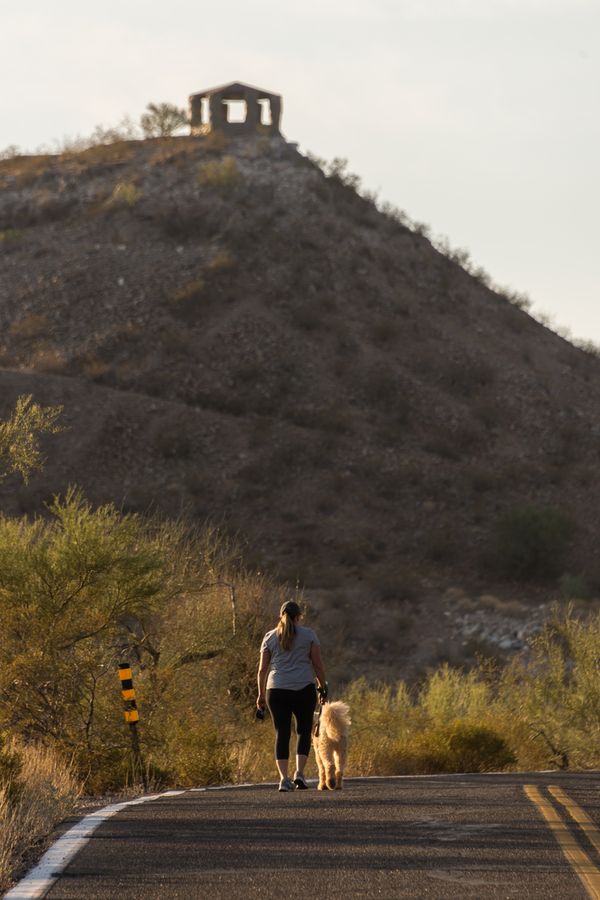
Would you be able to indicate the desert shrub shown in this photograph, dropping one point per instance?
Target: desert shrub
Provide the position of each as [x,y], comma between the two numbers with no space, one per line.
[125,194]
[162,120]
[555,694]
[531,542]
[84,589]
[450,694]
[197,753]
[223,175]
[20,433]
[458,746]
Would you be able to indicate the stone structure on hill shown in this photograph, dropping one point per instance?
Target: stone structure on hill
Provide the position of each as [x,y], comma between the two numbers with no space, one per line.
[235,108]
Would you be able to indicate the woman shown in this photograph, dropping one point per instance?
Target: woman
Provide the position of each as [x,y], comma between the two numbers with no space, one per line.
[290,655]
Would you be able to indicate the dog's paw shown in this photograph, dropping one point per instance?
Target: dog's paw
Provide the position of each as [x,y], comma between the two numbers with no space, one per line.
[322,787]
[332,785]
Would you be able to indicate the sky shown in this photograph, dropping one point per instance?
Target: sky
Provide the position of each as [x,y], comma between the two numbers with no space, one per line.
[477,117]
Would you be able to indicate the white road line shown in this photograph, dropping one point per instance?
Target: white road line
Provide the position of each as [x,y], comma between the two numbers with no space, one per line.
[40,879]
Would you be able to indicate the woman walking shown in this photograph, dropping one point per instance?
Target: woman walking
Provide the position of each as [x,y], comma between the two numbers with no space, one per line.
[290,657]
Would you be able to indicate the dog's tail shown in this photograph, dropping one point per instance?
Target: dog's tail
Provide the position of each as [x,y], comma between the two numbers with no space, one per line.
[336,720]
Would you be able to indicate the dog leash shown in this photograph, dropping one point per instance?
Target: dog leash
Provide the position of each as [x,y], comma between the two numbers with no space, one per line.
[318,722]
[322,701]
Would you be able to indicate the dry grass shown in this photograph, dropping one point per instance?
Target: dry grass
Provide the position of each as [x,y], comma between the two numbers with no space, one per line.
[45,793]
[223,175]
[189,293]
[46,358]
[175,150]
[214,142]
[221,261]
[101,154]
[26,169]
[33,325]
[94,368]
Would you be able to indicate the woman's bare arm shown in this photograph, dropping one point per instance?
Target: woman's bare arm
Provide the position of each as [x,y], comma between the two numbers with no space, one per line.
[317,664]
[263,671]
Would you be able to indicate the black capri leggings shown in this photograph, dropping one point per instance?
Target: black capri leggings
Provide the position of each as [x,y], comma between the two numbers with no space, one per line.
[282,705]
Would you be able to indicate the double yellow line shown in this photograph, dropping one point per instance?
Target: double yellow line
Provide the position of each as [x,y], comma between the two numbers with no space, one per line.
[587,871]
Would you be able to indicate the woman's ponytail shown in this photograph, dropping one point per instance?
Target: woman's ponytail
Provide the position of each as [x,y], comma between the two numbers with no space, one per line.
[286,630]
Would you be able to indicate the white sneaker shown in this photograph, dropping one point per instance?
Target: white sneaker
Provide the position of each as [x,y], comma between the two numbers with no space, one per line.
[286,784]
[300,781]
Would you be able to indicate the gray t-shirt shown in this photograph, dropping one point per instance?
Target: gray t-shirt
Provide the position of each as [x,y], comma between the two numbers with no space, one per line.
[290,669]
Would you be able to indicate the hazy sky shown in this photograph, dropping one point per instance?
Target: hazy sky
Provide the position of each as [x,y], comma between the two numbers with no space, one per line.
[479,117]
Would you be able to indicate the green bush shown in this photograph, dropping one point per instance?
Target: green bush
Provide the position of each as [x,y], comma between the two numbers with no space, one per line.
[198,754]
[459,746]
[531,542]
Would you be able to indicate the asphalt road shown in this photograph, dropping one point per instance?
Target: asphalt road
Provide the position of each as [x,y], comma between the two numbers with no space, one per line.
[479,836]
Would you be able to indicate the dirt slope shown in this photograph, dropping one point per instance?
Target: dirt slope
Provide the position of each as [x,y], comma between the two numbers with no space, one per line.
[236,336]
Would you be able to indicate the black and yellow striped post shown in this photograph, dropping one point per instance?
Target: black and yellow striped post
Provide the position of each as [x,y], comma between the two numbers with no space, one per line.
[132,717]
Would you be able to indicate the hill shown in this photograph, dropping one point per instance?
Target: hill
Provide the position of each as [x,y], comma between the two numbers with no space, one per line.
[238,337]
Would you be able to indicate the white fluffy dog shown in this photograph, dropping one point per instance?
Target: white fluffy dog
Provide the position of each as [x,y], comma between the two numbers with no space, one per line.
[330,740]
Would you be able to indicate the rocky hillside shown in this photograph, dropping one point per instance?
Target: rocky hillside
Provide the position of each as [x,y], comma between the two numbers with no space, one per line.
[237,337]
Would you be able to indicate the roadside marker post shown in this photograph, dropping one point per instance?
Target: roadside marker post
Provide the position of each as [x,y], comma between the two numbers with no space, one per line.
[132,718]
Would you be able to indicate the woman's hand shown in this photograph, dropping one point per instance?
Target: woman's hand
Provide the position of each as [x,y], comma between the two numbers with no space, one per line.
[263,671]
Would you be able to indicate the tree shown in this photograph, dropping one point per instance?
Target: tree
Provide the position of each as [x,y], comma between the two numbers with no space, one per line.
[69,585]
[19,436]
[162,120]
